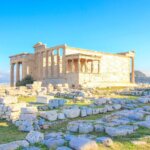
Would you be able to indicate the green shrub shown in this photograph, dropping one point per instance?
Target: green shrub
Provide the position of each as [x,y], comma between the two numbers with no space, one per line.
[27,80]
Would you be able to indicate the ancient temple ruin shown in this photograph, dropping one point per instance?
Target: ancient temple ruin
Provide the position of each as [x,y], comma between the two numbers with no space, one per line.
[75,66]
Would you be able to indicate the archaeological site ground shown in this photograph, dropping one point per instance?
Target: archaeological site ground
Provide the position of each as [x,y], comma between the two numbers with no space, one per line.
[60,117]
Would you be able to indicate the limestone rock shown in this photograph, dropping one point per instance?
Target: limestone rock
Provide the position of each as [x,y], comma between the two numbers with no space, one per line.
[120,130]
[44,99]
[34,137]
[32,148]
[54,143]
[83,113]
[116,106]
[95,111]
[49,115]
[73,127]
[72,113]
[63,148]
[61,116]
[85,128]
[147,118]
[29,110]
[99,128]
[56,103]
[89,111]
[14,145]
[105,140]
[27,117]
[145,124]
[80,143]
[8,100]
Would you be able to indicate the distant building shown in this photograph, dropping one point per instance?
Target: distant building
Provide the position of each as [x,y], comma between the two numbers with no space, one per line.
[75,66]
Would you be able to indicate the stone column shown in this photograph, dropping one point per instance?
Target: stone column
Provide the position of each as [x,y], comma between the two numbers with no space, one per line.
[12,75]
[72,66]
[18,72]
[64,61]
[41,66]
[24,70]
[98,66]
[79,65]
[58,62]
[86,68]
[38,65]
[133,75]
[46,67]
[52,63]
[92,67]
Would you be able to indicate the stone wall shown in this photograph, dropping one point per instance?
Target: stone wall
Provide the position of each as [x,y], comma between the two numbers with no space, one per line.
[115,69]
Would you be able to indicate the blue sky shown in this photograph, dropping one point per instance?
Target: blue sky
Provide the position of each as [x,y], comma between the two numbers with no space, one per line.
[103,25]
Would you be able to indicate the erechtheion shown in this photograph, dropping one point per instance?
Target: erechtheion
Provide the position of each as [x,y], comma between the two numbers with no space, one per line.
[75,66]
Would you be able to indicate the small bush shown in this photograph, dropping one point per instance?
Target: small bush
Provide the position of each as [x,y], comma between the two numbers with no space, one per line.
[27,80]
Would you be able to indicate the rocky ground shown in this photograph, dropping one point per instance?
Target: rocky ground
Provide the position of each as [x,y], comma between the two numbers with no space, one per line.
[69,119]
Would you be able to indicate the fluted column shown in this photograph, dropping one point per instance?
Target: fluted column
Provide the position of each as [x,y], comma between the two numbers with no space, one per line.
[41,66]
[86,68]
[79,65]
[72,69]
[18,72]
[133,74]
[12,75]
[92,66]
[98,66]
[64,61]
[52,63]
[24,70]
[58,62]
[46,67]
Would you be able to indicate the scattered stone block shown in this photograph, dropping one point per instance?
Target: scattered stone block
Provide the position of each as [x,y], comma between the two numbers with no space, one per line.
[85,128]
[14,145]
[35,137]
[80,143]
[107,141]
[43,99]
[120,130]
[72,113]
[54,143]
[63,148]
[49,115]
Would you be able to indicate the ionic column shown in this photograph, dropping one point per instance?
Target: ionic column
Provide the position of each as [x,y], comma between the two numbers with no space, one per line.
[58,62]
[66,64]
[24,70]
[46,67]
[17,72]
[92,67]
[72,65]
[133,75]
[64,61]
[41,66]
[86,68]
[98,66]
[12,75]
[78,65]
[52,63]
